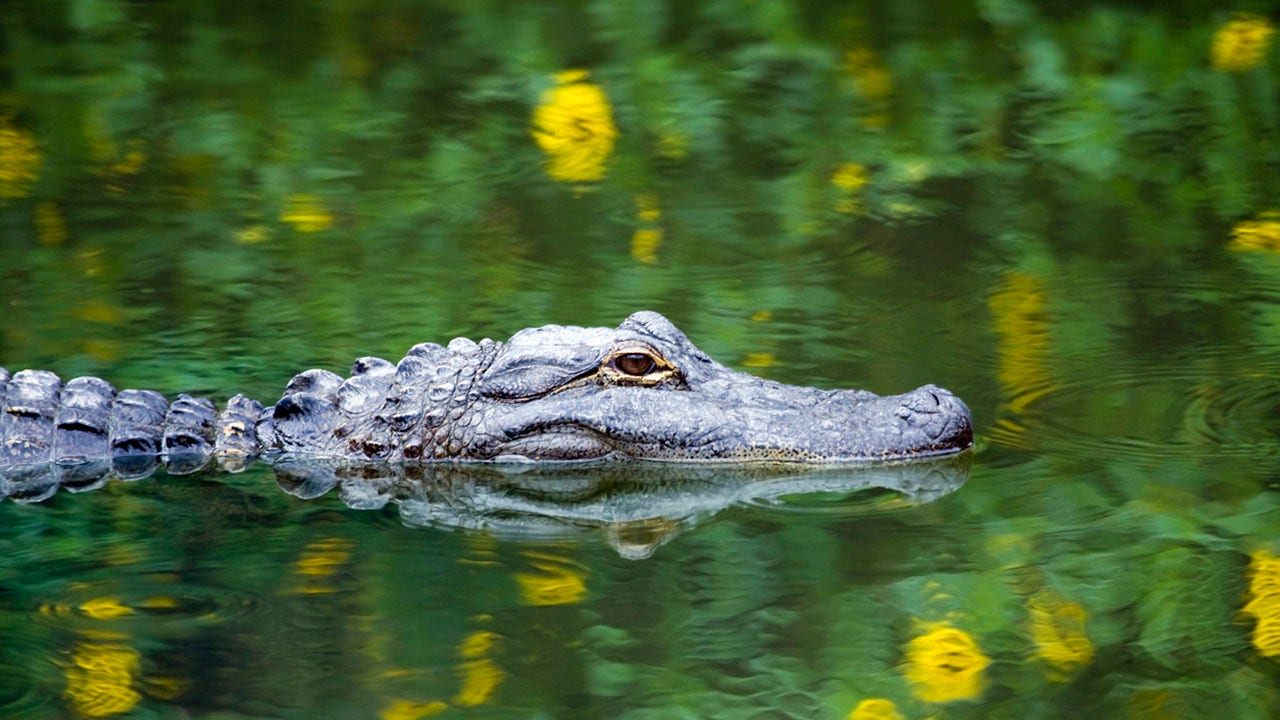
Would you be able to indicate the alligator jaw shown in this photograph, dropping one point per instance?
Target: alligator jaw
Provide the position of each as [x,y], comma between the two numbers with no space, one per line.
[754,422]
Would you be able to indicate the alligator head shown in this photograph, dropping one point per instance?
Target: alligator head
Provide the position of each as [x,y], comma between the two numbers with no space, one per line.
[644,391]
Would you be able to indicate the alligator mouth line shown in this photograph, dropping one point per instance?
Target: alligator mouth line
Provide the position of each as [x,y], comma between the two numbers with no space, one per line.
[645,452]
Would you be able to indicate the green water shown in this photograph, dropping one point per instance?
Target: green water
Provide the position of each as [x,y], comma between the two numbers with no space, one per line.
[1066,214]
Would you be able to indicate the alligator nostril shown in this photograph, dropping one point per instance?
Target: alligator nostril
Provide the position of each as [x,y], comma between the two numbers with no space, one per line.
[920,402]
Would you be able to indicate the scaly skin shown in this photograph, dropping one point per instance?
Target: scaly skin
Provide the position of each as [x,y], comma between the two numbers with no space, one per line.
[640,391]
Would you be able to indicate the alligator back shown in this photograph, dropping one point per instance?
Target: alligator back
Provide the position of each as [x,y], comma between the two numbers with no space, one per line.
[44,420]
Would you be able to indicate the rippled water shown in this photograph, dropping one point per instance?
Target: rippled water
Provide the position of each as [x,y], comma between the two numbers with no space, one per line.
[1067,218]
[208,592]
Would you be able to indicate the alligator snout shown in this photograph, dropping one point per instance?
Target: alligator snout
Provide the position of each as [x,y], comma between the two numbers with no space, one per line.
[942,417]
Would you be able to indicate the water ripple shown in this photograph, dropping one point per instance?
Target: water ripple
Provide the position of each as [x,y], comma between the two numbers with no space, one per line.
[19,697]
[156,605]
[1138,411]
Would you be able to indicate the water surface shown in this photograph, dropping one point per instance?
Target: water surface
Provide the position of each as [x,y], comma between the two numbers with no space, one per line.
[1067,217]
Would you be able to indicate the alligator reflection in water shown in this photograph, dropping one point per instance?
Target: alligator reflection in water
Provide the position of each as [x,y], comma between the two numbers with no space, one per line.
[636,506]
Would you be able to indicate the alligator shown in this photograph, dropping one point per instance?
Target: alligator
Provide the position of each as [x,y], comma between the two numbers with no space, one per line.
[641,391]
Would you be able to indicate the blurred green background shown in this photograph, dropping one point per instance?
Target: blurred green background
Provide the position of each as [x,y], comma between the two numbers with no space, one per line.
[327,173]
[1066,213]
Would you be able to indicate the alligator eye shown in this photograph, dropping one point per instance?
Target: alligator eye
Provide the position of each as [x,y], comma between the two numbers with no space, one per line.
[637,364]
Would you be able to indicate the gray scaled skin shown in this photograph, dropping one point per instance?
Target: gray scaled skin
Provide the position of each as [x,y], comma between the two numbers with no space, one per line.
[641,391]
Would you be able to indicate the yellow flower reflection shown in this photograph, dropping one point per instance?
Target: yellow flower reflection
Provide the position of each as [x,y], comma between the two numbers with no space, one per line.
[759,360]
[1058,629]
[131,163]
[648,207]
[319,565]
[1242,43]
[1264,601]
[944,664]
[306,213]
[411,710]
[322,558]
[875,709]
[19,160]
[646,240]
[1018,309]
[100,679]
[559,581]
[51,227]
[1261,233]
[478,644]
[479,679]
[673,145]
[122,168]
[573,124]
[849,179]
[159,602]
[480,675]
[105,608]
[252,234]
[870,76]
[645,243]
[873,81]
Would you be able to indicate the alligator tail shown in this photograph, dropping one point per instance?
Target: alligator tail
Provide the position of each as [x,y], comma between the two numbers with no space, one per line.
[86,421]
